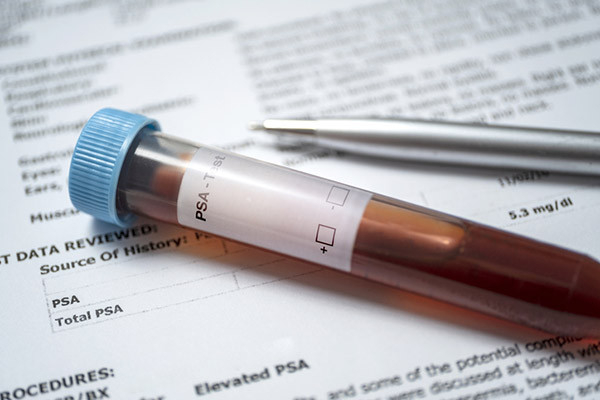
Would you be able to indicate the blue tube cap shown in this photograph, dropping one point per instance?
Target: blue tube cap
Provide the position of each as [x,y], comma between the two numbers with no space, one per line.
[97,161]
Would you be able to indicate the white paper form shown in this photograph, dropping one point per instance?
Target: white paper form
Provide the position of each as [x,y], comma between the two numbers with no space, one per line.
[91,311]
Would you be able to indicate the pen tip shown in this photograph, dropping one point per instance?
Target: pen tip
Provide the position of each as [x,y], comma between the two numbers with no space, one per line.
[255,125]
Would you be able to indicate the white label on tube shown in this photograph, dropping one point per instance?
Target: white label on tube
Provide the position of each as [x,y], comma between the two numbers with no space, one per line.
[271,207]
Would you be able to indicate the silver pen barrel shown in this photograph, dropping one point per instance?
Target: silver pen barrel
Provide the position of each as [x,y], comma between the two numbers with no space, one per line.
[566,151]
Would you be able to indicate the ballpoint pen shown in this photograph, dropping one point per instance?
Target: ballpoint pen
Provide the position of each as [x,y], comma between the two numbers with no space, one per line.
[566,151]
[123,166]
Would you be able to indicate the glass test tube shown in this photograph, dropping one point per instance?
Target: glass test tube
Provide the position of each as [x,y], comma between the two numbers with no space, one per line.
[124,166]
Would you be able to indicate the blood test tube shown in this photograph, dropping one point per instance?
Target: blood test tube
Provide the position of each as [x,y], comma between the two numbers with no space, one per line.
[124,166]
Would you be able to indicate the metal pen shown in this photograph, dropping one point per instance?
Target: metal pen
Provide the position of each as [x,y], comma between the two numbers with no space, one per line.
[123,165]
[565,151]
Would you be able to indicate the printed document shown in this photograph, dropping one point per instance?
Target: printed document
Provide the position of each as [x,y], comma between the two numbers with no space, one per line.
[152,311]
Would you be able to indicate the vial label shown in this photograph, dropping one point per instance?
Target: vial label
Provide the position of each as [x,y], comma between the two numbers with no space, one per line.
[272,207]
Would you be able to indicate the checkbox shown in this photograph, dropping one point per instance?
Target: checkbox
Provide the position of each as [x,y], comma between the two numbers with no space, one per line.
[337,195]
[325,235]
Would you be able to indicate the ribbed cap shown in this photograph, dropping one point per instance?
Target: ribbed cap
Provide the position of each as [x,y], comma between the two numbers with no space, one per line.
[97,160]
